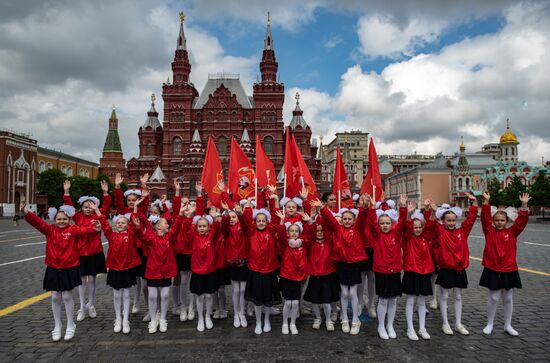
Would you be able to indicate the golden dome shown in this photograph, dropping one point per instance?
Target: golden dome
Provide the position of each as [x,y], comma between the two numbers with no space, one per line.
[508,137]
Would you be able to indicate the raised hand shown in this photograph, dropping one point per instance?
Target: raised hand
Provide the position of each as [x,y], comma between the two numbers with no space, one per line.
[95,208]
[135,220]
[411,206]
[118,180]
[524,199]
[66,186]
[104,187]
[97,225]
[145,192]
[198,188]
[281,215]
[272,189]
[23,206]
[144,179]
[163,198]
[224,205]
[427,203]
[237,208]
[486,197]
[402,200]
[306,217]
[316,203]
[372,202]
[471,197]
[303,193]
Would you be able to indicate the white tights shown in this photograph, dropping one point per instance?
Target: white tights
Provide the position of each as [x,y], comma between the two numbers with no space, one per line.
[370,289]
[200,306]
[238,297]
[121,296]
[443,299]
[434,288]
[164,300]
[349,293]
[258,309]
[317,311]
[386,306]
[507,304]
[67,298]
[137,295]
[291,308]
[421,302]
[219,299]
[186,298]
[87,286]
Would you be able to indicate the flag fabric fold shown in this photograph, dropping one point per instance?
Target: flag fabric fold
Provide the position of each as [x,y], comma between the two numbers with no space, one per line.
[340,185]
[241,176]
[372,183]
[265,171]
[212,174]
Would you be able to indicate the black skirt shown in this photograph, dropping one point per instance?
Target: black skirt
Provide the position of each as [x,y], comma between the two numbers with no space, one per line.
[121,279]
[238,273]
[204,283]
[323,289]
[367,264]
[139,270]
[494,280]
[290,289]
[416,284]
[159,283]
[183,262]
[349,274]
[262,288]
[388,285]
[449,279]
[92,265]
[62,279]
[223,277]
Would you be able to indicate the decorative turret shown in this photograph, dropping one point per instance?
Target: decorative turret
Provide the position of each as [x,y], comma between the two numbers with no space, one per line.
[297,115]
[462,167]
[150,134]
[268,65]
[508,145]
[112,142]
[196,143]
[157,176]
[246,144]
[112,160]
[181,67]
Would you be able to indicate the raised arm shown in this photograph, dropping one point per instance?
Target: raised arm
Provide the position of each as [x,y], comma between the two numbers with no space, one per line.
[119,198]
[329,221]
[67,200]
[486,219]
[35,221]
[523,215]
[468,224]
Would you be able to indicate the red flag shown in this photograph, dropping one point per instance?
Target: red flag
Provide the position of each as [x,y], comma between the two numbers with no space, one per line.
[292,168]
[306,178]
[340,186]
[212,174]
[265,171]
[240,180]
[372,184]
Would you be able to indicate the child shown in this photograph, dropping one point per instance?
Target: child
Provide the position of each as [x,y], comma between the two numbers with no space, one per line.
[161,265]
[388,262]
[92,258]
[294,269]
[418,266]
[349,255]
[62,261]
[222,270]
[454,259]
[236,254]
[500,270]
[122,259]
[261,285]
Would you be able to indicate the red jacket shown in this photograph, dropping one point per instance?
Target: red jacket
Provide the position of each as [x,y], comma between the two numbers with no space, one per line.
[348,244]
[263,256]
[453,244]
[122,253]
[294,260]
[417,250]
[61,243]
[122,209]
[236,241]
[387,246]
[320,262]
[203,256]
[183,243]
[501,245]
[161,261]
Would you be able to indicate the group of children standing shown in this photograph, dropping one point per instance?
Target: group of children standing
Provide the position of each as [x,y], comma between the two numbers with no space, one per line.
[296,248]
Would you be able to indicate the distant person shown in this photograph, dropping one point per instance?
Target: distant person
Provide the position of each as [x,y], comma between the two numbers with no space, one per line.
[16,219]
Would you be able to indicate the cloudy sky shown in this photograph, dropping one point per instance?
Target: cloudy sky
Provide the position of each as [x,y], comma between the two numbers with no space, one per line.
[416,74]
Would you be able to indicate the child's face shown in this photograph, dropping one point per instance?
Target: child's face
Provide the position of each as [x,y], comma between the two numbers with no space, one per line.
[500,220]
[293,232]
[320,234]
[202,226]
[331,201]
[348,218]
[121,224]
[449,220]
[417,227]
[233,219]
[291,208]
[155,211]
[384,222]
[162,225]
[184,201]
[261,222]
[131,201]
[61,220]
[86,209]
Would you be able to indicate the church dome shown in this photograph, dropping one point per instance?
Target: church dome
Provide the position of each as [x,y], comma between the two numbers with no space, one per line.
[508,137]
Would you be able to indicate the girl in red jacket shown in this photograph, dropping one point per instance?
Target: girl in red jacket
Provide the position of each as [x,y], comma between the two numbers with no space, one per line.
[418,266]
[500,270]
[453,259]
[261,285]
[62,261]
[122,260]
[349,254]
[92,258]
[387,266]
[161,264]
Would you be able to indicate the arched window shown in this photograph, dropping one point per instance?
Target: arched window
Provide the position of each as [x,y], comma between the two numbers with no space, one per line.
[42,167]
[467,183]
[86,173]
[459,183]
[222,145]
[69,171]
[176,146]
[149,148]
[268,145]
[81,172]
[49,166]
[64,169]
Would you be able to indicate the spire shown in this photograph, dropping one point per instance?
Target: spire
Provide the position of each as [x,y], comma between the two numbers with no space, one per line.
[462,146]
[196,136]
[268,65]
[246,144]
[158,175]
[112,142]
[113,113]
[181,68]
[297,118]
[182,42]
[196,143]
[152,116]
[268,40]
[463,166]
[322,155]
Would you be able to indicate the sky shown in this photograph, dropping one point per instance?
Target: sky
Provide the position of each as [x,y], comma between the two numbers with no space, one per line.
[416,74]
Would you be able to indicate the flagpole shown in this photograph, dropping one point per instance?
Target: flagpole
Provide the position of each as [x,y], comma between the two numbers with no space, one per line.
[339,200]
[256,190]
[284,186]
[302,180]
[374,192]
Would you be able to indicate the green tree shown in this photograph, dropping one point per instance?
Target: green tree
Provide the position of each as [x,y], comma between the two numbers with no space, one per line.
[50,183]
[81,185]
[494,189]
[512,192]
[540,191]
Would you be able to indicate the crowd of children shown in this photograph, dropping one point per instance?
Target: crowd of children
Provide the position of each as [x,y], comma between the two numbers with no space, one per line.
[271,251]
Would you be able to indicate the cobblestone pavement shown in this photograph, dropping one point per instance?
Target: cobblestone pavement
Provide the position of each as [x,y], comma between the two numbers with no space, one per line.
[25,334]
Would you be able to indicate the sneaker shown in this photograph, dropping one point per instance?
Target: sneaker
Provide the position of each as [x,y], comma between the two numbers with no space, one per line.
[316,324]
[412,335]
[382,333]
[69,333]
[274,310]
[391,332]
[80,315]
[183,315]
[91,312]
[330,325]
[208,323]
[242,318]
[163,325]
[293,329]
[200,325]
[56,335]
[147,317]
[488,330]
[433,304]
[249,310]
[153,325]
[424,334]
[223,314]
[447,329]
[267,327]
[284,329]
[334,316]
[191,314]
[118,326]
[355,328]
[135,309]
[372,312]
[461,329]
[125,327]
[236,321]
[258,329]
[216,314]
[345,326]
[511,331]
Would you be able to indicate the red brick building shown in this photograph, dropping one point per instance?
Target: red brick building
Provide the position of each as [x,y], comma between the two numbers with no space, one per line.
[222,110]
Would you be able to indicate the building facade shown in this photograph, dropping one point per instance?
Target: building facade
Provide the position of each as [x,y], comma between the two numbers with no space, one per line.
[68,164]
[112,160]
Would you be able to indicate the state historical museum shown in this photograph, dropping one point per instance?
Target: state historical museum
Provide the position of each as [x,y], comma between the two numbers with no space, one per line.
[176,148]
